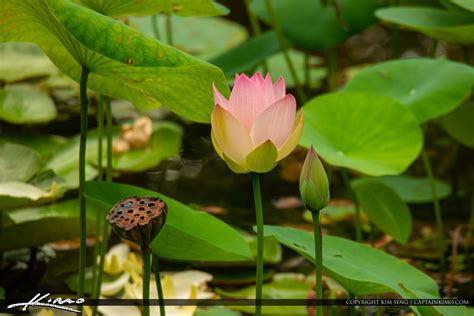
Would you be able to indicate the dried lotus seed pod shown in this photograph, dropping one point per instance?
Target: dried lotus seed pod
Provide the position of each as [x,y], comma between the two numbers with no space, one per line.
[138,218]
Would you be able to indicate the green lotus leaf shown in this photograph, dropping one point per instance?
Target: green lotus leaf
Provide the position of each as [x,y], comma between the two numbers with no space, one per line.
[17,163]
[26,105]
[459,125]
[20,61]
[449,26]
[428,87]
[364,270]
[311,25]
[384,207]
[124,63]
[416,190]
[183,237]
[152,7]
[369,133]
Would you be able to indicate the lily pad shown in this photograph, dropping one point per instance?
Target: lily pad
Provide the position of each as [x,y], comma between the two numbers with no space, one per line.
[19,194]
[449,26]
[416,190]
[429,87]
[164,143]
[384,207]
[272,252]
[459,124]
[201,37]
[312,25]
[247,55]
[369,133]
[20,61]
[152,7]
[17,163]
[124,64]
[363,270]
[45,145]
[183,237]
[286,287]
[216,311]
[465,4]
[26,105]
[43,224]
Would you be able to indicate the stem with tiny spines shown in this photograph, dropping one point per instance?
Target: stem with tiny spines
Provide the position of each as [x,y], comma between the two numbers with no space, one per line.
[257,195]
[276,26]
[159,288]
[318,258]
[82,179]
[146,280]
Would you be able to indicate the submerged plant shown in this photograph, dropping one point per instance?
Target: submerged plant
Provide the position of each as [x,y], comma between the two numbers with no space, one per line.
[140,219]
[314,189]
[251,132]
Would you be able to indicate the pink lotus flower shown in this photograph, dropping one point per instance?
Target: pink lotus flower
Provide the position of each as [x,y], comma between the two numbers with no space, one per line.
[257,126]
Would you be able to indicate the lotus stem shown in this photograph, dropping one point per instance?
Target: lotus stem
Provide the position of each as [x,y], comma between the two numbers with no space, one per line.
[331,64]
[98,221]
[281,39]
[353,196]
[103,250]
[433,48]
[257,196]
[466,55]
[97,286]
[82,179]
[109,139]
[169,30]
[438,217]
[155,26]
[256,30]
[159,288]
[100,136]
[318,259]
[307,70]
[146,280]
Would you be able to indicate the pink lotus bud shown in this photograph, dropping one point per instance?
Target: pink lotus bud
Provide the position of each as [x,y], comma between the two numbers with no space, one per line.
[257,126]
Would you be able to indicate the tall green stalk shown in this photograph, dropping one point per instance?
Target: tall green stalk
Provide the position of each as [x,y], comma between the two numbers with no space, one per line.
[159,288]
[257,196]
[105,228]
[318,259]
[98,219]
[82,180]
[169,30]
[146,280]
[155,26]
[437,210]
[466,55]
[331,64]
[354,199]
[108,131]
[281,40]
[256,30]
